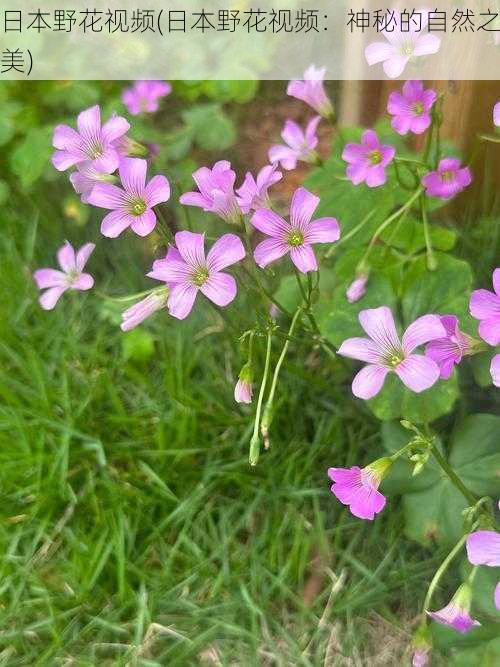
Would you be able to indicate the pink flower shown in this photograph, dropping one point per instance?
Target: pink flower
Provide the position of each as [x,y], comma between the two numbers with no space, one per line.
[495,370]
[448,180]
[187,271]
[485,306]
[300,145]
[216,191]
[141,310]
[71,276]
[385,353]
[496,114]
[132,205]
[483,548]
[145,96]
[401,47]
[357,289]
[252,195]
[312,91]
[420,658]
[85,178]
[456,613]
[295,237]
[93,142]
[411,108]
[243,391]
[449,351]
[358,488]
[368,160]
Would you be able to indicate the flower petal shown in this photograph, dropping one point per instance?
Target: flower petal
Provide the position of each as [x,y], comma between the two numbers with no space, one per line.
[363,349]
[171,269]
[367,503]
[426,45]
[303,205]
[270,223]
[369,381]
[417,372]
[144,224]
[107,195]
[89,122]
[220,288]
[83,255]
[51,296]
[84,282]
[293,135]
[483,548]
[66,257]
[157,190]
[191,247]
[378,52]
[484,305]
[379,325]
[114,224]
[323,230]
[495,370]
[269,251]
[115,128]
[181,300]
[489,330]
[304,258]
[49,278]
[286,156]
[424,329]
[133,175]
[496,281]
[225,251]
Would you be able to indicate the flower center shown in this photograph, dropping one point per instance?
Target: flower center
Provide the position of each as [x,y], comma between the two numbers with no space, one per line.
[418,108]
[447,176]
[200,276]
[407,49]
[72,276]
[137,207]
[295,238]
[375,157]
[394,359]
[95,150]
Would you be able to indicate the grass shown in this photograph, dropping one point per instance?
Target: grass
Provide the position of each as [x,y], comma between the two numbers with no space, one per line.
[133,529]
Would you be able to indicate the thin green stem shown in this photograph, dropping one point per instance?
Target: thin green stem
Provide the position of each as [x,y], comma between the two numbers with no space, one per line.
[431,258]
[388,221]
[255,441]
[454,478]
[440,571]
[350,234]
[163,226]
[267,414]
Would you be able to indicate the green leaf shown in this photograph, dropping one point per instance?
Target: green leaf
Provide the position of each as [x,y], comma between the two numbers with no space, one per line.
[485,654]
[211,128]
[409,236]
[435,512]
[395,401]
[445,290]
[32,156]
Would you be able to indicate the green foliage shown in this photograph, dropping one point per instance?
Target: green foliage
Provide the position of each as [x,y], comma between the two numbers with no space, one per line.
[433,505]
[209,127]
[31,157]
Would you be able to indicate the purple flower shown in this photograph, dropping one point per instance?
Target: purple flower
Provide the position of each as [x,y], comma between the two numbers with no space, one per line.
[420,657]
[495,370]
[300,145]
[145,96]
[93,142]
[141,310]
[243,391]
[312,91]
[411,108]
[71,276]
[483,548]
[187,271]
[485,306]
[401,47]
[456,613]
[496,114]
[132,205]
[449,350]
[357,289]
[216,191]
[358,488]
[368,160]
[252,195]
[85,178]
[449,179]
[384,352]
[294,237]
